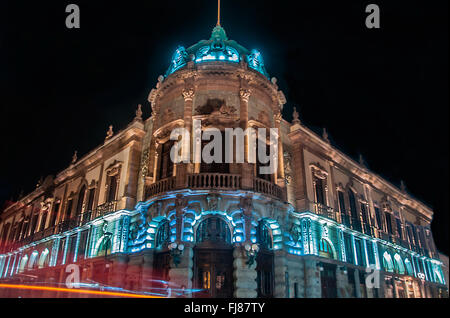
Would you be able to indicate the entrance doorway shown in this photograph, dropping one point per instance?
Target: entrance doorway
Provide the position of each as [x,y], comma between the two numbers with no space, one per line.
[213,259]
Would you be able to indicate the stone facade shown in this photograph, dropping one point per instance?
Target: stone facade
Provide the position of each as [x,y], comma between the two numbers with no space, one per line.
[322,225]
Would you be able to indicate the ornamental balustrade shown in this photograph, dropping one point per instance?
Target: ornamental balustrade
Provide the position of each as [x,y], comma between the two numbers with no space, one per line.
[214,180]
[221,181]
[325,211]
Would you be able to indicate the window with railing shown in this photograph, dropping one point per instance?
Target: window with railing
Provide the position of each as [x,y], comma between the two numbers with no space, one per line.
[166,163]
[80,200]
[215,166]
[319,190]
[378,217]
[356,223]
[54,212]
[388,218]
[112,188]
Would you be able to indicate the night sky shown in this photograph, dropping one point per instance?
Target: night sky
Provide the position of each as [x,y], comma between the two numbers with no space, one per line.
[380,93]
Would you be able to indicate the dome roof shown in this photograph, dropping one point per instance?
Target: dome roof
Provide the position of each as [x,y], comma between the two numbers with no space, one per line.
[217,48]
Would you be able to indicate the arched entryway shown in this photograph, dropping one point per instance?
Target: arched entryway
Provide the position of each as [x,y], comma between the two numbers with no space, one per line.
[264,260]
[213,258]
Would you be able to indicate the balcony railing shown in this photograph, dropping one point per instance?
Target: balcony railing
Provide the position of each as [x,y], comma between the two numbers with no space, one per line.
[214,180]
[105,209]
[221,181]
[324,211]
[267,187]
[161,186]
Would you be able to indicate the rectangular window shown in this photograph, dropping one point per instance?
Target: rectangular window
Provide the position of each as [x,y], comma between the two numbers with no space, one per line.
[68,210]
[378,216]
[349,248]
[90,203]
[370,253]
[112,188]
[360,256]
[388,223]
[319,191]
[43,220]
[399,228]
[71,253]
[62,245]
[54,213]
[82,245]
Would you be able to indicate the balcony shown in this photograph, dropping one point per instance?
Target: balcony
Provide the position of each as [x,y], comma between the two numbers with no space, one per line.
[218,181]
[325,211]
[160,187]
[105,209]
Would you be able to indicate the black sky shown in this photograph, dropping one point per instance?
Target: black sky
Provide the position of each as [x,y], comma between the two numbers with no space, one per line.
[380,93]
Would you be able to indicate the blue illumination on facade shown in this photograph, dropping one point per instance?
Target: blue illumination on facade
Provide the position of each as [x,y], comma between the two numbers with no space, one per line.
[217,49]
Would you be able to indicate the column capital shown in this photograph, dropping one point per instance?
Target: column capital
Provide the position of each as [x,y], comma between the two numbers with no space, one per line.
[188,94]
[245,93]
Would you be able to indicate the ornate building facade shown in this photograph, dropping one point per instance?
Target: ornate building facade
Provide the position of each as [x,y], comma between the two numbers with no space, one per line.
[127,214]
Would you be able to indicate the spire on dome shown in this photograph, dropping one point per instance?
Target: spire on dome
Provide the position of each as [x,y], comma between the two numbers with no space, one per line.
[218,13]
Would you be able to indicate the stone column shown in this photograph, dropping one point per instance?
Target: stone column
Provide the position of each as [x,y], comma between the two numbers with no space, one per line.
[119,268]
[280,269]
[244,276]
[312,279]
[301,196]
[247,168]
[394,285]
[342,283]
[357,284]
[182,275]
[280,178]
[147,270]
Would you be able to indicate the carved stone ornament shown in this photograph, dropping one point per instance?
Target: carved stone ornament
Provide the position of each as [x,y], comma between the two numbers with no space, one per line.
[213,202]
[318,171]
[144,162]
[278,117]
[288,171]
[113,168]
[216,106]
[246,205]
[188,94]
[181,203]
[296,233]
[245,94]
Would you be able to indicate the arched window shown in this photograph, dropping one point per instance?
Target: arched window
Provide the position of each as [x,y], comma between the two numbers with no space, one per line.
[166,163]
[105,247]
[325,249]
[23,263]
[398,264]
[80,200]
[44,258]
[163,233]
[263,235]
[213,230]
[32,264]
[409,268]
[387,262]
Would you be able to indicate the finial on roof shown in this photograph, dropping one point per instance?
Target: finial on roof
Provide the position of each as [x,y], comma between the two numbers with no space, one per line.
[74,157]
[110,132]
[361,160]
[139,113]
[325,135]
[295,115]
[403,186]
